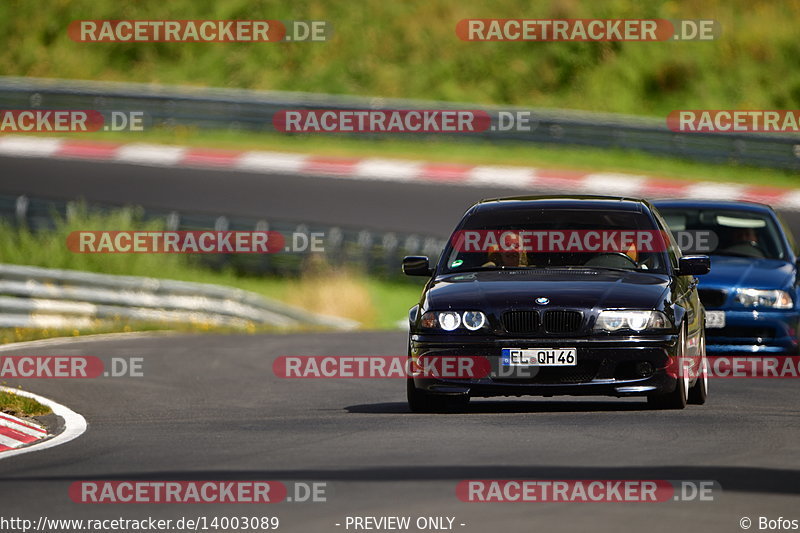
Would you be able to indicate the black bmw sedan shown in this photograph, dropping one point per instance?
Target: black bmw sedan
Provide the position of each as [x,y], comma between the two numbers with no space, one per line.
[560,295]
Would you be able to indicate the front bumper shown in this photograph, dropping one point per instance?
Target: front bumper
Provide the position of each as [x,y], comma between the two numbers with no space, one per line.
[605,367]
[755,332]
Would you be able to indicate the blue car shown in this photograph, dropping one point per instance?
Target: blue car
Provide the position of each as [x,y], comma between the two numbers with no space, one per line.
[751,295]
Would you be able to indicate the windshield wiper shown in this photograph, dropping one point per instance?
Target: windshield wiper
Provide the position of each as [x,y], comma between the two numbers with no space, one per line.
[614,269]
[737,254]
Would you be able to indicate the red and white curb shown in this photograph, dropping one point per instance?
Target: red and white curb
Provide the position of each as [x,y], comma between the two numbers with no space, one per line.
[15,432]
[395,170]
[19,436]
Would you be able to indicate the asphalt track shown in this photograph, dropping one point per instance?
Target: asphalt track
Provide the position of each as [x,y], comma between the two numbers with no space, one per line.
[209,407]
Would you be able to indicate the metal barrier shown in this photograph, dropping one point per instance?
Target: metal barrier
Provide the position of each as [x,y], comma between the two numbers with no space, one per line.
[35,297]
[372,252]
[235,109]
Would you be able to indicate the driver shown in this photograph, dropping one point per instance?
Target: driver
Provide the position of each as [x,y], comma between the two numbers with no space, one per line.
[510,255]
[744,241]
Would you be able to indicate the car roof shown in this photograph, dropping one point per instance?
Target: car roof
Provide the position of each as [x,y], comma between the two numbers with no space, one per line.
[620,203]
[711,204]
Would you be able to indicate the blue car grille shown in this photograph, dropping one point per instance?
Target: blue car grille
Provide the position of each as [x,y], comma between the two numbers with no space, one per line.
[740,332]
[712,298]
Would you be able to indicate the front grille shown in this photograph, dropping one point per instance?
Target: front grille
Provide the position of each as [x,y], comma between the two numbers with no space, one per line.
[712,298]
[521,321]
[740,332]
[562,321]
[583,372]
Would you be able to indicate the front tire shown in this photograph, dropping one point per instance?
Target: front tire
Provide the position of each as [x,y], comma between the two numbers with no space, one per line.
[678,398]
[699,391]
[420,401]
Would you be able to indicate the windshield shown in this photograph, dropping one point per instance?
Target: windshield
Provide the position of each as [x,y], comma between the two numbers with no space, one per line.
[524,238]
[726,232]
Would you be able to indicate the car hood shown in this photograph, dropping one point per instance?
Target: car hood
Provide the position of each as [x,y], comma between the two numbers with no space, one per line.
[746,272]
[497,290]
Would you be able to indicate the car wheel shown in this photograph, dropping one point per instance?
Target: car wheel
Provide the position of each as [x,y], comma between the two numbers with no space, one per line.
[699,391]
[676,399]
[420,401]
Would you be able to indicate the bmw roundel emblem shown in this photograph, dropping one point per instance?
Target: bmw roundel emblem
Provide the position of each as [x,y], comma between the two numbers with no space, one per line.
[542,300]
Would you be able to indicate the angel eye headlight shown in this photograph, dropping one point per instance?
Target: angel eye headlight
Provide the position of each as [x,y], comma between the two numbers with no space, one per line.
[610,321]
[474,320]
[613,320]
[449,320]
[638,321]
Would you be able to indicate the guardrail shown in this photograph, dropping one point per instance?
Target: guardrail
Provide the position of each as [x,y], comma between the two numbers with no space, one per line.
[373,252]
[35,297]
[253,110]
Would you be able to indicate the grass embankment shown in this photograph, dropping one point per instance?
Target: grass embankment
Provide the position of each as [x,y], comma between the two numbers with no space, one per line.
[410,50]
[376,304]
[17,405]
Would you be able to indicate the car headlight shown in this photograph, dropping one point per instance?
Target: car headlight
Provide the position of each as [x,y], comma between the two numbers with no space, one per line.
[473,320]
[452,320]
[612,320]
[764,298]
[449,320]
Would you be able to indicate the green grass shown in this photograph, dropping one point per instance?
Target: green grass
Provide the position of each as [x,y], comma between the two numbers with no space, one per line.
[379,304]
[410,49]
[17,405]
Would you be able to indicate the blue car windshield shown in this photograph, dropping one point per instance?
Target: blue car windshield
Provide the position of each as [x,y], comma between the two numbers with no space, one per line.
[726,232]
[499,239]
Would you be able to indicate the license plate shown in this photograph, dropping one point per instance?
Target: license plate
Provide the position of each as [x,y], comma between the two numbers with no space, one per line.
[715,319]
[539,357]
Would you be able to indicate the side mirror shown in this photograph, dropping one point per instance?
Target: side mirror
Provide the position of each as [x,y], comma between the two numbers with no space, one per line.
[694,265]
[416,265]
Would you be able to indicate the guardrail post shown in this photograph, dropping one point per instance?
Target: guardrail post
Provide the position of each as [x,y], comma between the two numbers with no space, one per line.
[21,210]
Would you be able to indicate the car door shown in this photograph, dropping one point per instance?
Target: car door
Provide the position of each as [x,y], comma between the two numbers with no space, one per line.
[685,297]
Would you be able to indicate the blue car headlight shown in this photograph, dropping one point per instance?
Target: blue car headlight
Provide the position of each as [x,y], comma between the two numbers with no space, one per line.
[774,299]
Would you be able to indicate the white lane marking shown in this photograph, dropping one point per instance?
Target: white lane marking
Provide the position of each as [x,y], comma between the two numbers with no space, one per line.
[263,161]
[614,183]
[714,191]
[387,169]
[790,200]
[74,424]
[510,177]
[270,162]
[29,146]
[150,154]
